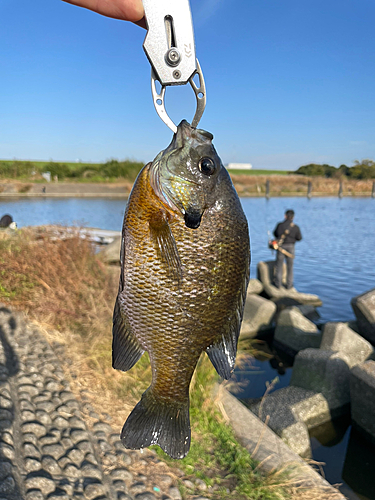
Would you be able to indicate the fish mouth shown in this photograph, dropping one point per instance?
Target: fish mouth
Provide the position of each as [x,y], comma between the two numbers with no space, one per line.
[193,219]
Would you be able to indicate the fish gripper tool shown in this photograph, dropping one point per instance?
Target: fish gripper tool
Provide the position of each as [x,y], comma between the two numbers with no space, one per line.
[170,48]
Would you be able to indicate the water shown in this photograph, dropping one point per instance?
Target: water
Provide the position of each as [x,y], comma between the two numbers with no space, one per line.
[103,213]
[349,458]
[336,257]
[335,260]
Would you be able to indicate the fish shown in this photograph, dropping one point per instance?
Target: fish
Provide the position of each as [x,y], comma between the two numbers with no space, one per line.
[185,260]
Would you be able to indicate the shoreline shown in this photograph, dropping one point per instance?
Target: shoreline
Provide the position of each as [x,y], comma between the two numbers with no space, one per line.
[292,194]
[253,186]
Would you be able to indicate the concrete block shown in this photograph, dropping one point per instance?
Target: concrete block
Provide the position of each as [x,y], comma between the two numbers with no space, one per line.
[326,372]
[295,331]
[277,409]
[258,314]
[364,309]
[309,311]
[265,272]
[339,337]
[270,451]
[362,391]
[255,287]
[296,436]
[312,410]
[291,411]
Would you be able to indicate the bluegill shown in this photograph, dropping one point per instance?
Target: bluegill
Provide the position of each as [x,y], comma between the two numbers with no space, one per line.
[185,269]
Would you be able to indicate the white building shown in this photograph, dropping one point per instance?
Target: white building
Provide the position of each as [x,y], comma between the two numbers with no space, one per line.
[239,166]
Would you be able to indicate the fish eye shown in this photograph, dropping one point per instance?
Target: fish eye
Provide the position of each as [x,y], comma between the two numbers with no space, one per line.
[206,166]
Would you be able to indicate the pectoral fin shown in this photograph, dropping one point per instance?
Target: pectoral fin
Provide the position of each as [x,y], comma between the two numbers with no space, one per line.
[126,349]
[166,246]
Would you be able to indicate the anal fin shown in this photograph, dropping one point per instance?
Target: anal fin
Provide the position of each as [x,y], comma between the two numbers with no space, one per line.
[126,349]
[222,355]
[222,352]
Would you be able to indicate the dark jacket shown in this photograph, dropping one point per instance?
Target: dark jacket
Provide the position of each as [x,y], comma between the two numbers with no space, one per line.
[294,231]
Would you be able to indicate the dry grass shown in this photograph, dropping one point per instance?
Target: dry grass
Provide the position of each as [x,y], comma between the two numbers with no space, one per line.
[250,185]
[63,286]
[246,185]
[296,479]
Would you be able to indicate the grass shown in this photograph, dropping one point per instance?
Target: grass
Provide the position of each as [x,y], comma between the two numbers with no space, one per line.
[31,171]
[111,171]
[64,287]
[42,164]
[20,168]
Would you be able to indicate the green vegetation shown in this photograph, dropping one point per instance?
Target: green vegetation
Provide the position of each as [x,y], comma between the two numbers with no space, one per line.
[32,170]
[89,172]
[360,170]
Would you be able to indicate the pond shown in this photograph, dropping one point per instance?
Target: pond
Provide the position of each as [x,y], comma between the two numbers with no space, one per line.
[335,260]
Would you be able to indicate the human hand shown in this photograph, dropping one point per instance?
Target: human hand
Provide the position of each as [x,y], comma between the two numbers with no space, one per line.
[127,10]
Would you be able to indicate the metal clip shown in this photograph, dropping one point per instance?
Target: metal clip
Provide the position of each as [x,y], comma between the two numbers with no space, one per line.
[200,94]
[170,49]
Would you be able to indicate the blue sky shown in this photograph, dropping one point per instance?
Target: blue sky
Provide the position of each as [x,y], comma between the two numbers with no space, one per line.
[288,82]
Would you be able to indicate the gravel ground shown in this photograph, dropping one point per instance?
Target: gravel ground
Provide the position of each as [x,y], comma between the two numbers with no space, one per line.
[55,447]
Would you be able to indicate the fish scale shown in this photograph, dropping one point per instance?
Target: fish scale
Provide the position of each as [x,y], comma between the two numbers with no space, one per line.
[185,270]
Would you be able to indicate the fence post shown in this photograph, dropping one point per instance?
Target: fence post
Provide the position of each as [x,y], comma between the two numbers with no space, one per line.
[267,188]
[340,189]
[309,189]
[373,190]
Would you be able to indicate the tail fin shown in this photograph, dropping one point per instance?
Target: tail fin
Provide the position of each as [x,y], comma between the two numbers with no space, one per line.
[156,421]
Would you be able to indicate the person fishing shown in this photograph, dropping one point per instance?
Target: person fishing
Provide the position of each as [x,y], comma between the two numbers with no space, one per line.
[287,233]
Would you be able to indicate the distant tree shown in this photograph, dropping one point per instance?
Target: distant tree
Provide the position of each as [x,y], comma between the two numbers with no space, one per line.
[329,171]
[366,163]
[315,169]
[362,170]
[343,169]
[310,169]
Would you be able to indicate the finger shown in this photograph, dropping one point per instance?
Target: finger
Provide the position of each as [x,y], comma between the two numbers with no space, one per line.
[128,10]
